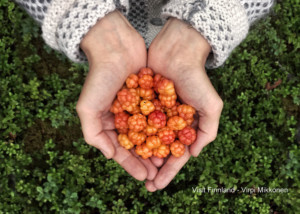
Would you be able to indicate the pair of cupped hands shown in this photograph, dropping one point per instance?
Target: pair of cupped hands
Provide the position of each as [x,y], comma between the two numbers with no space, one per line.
[114,50]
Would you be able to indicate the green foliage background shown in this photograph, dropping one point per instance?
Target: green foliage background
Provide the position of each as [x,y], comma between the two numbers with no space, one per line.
[45,166]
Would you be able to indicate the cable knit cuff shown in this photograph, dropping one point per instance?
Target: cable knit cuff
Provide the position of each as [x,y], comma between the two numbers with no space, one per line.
[71,20]
[223,23]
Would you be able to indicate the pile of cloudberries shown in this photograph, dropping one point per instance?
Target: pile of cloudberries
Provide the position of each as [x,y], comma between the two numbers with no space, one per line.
[149,117]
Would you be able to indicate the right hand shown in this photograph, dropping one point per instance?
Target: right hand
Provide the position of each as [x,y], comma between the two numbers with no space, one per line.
[114,50]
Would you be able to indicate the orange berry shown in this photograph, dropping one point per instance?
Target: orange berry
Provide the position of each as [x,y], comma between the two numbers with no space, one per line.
[158,105]
[146,94]
[121,122]
[150,130]
[128,98]
[132,81]
[125,142]
[157,119]
[170,112]
[145,71]
[176,123]
[143,151]
[166,135]
[135,110]
[156,80]
[177,149]
[147,107]
[168,100]
[153,142]
[166,87]
[146,82]
[187,135]
[137,138]
[187,113]
[137,122]
[116,107]
[162,151]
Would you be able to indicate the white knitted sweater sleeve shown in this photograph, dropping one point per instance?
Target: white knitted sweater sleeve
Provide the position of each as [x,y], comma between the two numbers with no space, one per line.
[65,23]
[223,23]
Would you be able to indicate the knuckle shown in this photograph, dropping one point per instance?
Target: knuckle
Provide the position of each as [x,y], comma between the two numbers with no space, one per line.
[88,140]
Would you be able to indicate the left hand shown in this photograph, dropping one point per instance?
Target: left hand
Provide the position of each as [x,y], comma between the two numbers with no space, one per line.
[179,53]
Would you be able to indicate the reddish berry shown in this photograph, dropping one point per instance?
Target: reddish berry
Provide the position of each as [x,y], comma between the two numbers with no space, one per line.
[137,122]
[158,105]
[153,142]
[147,107]
[145,71]
[176,123]
[137,138]
[121,122]
[156,80]
[125,142]
[177,149]
[166,87]
[187,135]
[170,112]
[162,151]
[168,100]
[143,151]
[146,94]
[157,119]
[132,81]
[166,135]
[128,99]
[150,130]
[116,107]
[146,82]
[187,113]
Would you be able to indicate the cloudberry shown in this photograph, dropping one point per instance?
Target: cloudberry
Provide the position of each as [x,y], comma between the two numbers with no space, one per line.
[187,135]
[168,100]
[146,82]
[145,71]
[135,110]
[170,112]
[153,142]
[121,120]
[162,151]
[177,149]
[116,107]
[176,123]
[166,135]
[146,94]
[150,130]
[157,119]
[125,142]
[128,98]
[156,80]
[143,151]
[137,122]
[166,87]
[147,107]
[132,81]
[187,113]
[137,138]
[158,105]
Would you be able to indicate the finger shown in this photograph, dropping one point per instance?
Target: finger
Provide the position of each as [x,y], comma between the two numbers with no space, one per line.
[158,162]
[170,169]
[150,186]
[207,131]
[93,133]
[151,169]
[127,160]
[108,121]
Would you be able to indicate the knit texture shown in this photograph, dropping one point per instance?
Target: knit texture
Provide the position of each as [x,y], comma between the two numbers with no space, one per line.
[223,23]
